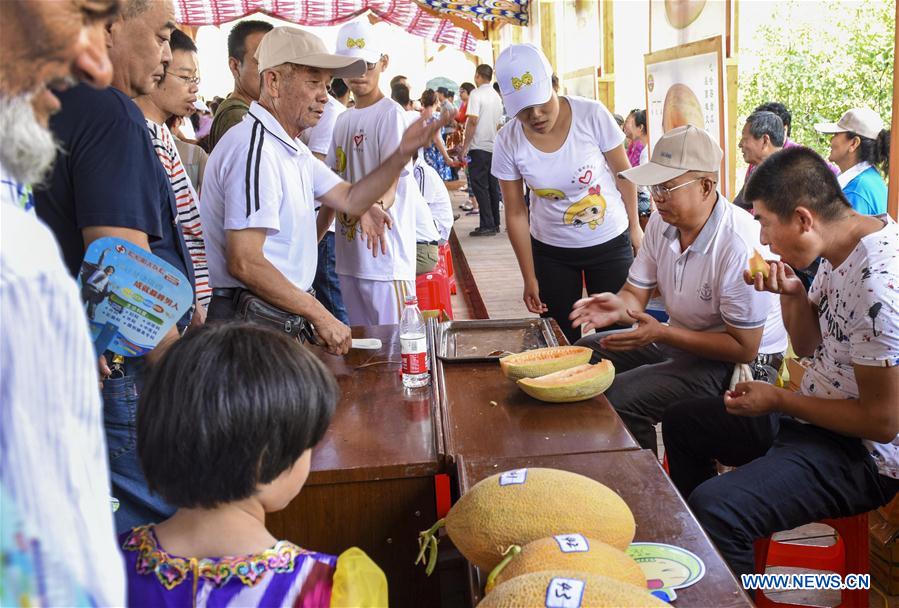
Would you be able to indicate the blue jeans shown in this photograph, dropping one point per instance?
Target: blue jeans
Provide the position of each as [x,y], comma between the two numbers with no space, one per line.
[137,505]
[326,284]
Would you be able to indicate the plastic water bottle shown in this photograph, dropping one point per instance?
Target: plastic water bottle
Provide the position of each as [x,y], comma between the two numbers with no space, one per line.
[414,346]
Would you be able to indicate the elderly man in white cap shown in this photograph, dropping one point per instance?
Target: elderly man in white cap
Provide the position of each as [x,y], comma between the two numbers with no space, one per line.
[694,252]
[258,202]
[373,289]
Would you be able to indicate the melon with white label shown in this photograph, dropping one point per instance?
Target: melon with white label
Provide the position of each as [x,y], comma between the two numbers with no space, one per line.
[568,552]
[520,506]
[569,588]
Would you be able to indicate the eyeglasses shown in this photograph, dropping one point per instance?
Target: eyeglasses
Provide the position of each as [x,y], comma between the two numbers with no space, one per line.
[370,66]
[661,193]
[186,79]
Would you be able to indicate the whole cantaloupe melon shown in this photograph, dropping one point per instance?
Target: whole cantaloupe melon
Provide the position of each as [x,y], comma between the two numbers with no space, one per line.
[573,384]
[520,506]
[594,591]
[570,552]
[542,361]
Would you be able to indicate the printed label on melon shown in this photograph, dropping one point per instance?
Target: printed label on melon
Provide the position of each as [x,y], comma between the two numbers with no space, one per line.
[564,593]
[514,477]
[572,543]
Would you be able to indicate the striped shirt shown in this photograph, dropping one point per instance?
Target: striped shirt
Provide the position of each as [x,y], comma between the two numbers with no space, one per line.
[186,200]
[53,460]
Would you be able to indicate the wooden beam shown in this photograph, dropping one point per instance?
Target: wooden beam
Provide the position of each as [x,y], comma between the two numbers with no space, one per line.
[893,194]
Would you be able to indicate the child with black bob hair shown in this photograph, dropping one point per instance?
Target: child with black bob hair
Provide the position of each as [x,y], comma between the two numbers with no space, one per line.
[225,429]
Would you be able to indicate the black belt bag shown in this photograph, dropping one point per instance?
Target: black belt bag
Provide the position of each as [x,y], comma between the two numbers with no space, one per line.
[251,308]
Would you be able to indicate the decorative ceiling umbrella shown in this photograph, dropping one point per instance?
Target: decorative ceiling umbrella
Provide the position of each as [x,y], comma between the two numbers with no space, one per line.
[406,14]
[442,81]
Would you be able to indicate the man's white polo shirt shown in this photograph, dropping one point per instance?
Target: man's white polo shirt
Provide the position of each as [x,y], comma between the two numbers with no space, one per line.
[259,177]
[703,286]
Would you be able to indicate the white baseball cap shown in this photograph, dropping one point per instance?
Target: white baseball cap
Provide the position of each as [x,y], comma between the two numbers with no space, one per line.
[678,151]
[524,76]
[861,121]
[358,39]
[292,45]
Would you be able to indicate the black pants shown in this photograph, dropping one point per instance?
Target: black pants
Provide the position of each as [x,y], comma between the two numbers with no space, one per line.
[789,474]
[486,189]
[561,272]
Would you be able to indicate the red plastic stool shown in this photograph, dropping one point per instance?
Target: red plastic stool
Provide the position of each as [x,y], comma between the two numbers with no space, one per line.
[446,265]
[849,555]
[432,290]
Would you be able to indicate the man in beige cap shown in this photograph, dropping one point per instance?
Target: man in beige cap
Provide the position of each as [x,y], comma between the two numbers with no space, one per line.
[258,202]
[696,247]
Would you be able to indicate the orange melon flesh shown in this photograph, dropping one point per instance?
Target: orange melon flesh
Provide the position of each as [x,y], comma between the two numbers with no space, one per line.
[575,384]
[543,361]
[758,264]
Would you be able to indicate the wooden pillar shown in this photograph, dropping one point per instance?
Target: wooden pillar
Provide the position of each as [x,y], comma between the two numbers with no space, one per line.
[605,89]
[893,194]
[733,129]
[548,31]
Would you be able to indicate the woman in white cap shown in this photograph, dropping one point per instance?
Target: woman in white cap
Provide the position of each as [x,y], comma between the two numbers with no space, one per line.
[859,145]
[583,225]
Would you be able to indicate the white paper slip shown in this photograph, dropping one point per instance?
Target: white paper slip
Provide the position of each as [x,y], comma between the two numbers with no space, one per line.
[367,343]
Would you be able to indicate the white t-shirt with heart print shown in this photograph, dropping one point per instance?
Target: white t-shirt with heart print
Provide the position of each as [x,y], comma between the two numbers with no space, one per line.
[574,198]
[363,140]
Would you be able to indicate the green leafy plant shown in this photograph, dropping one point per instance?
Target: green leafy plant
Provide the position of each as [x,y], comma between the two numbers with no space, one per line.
[821,70]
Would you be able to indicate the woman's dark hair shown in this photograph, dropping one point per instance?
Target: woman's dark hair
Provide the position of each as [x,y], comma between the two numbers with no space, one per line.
[467,86]
[229,407]
[796,177]
[874,151]
[338,87]
[639,118]
[428,98]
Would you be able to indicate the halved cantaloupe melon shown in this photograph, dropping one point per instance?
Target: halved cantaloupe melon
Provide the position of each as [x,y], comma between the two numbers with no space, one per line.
[543,361]
[574,384]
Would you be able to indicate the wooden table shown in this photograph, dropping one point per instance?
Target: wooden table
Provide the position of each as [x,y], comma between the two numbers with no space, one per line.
[660,513]
[372,478]
[519,425]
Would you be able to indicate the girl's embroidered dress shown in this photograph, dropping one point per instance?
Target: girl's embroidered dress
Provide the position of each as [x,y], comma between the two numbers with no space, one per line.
[284,575]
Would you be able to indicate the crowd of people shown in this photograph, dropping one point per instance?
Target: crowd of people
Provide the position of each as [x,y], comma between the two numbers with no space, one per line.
[308,200]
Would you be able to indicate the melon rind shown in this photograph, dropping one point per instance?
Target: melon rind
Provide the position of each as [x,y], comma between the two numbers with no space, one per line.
[599,592]
[575,384]
[601,558]
[543,361]
[489,517]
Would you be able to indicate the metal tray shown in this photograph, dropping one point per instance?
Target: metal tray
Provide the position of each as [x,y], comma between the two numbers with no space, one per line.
[488,339]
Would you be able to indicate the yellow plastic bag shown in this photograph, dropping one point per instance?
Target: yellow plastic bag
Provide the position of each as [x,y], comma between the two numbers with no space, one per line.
[358,582]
